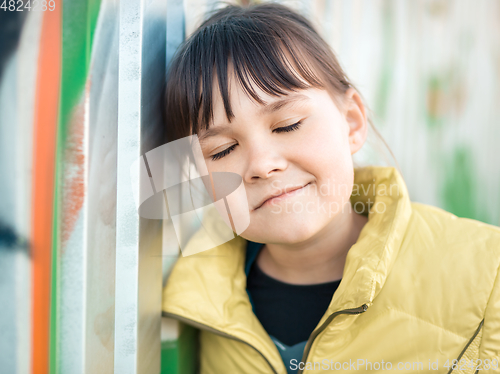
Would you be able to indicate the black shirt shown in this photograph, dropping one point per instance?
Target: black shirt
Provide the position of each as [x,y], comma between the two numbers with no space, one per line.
[287,311]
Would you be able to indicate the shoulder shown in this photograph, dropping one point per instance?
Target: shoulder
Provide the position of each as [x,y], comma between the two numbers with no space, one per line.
[446,230]
[467,250]
[459,256]
[473,248]
[451,264]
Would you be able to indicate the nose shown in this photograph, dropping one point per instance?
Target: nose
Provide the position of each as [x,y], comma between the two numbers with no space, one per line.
[263,162]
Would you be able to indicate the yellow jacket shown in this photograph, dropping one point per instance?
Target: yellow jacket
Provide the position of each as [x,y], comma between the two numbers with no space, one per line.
[420,287]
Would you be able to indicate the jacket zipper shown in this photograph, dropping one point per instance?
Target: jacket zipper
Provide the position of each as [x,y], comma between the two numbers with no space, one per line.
[318,331]
[201,326]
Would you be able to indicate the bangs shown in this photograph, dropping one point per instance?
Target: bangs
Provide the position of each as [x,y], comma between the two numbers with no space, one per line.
[269,46]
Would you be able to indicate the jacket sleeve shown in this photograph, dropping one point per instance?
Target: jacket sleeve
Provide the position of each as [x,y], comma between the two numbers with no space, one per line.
[490,342]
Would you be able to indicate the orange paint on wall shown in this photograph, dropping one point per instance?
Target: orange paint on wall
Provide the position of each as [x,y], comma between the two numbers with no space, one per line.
[74,156]
[44,153]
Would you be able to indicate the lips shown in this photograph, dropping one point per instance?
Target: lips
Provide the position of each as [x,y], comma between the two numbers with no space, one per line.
[287,191]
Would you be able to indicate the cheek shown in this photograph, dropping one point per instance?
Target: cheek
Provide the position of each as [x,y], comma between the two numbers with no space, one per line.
[325,154]
[324,150]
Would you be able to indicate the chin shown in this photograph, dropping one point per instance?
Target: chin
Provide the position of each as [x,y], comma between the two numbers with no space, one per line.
[284,229]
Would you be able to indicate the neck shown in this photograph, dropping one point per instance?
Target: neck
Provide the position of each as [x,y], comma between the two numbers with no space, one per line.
[320,259]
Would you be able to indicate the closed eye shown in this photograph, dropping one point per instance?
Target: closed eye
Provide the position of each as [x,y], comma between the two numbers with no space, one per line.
[293,127]
[228,150]
[225,152]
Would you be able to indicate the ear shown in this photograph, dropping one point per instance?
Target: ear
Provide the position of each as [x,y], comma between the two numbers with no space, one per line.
[355,115]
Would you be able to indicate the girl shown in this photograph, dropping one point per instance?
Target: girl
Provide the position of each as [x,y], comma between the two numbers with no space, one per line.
[338,269]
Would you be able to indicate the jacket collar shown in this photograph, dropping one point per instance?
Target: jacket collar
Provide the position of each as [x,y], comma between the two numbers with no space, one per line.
[209,288]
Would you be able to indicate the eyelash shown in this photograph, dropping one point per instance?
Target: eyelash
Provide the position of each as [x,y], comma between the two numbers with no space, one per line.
[228,150]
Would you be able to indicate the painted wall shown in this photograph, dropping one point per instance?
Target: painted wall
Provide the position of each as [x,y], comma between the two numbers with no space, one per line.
[80,97]
[80,94]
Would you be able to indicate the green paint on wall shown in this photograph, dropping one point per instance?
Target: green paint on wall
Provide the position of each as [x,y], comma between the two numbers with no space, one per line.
[434,105]
[180,356]
[445,97]
[79,18]
[93,14]
[460,186]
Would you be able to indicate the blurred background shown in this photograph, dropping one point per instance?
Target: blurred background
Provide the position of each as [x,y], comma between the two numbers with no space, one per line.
[80,99]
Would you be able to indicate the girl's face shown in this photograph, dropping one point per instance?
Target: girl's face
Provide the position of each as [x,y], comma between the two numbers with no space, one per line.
[301,142]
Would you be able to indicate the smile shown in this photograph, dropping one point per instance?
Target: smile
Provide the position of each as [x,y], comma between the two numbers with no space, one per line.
[282,197]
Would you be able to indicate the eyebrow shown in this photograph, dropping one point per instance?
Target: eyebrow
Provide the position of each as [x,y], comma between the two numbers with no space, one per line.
[266,109]
[286,101]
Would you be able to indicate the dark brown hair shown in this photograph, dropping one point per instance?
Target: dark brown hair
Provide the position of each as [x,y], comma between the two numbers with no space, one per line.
[268,44]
